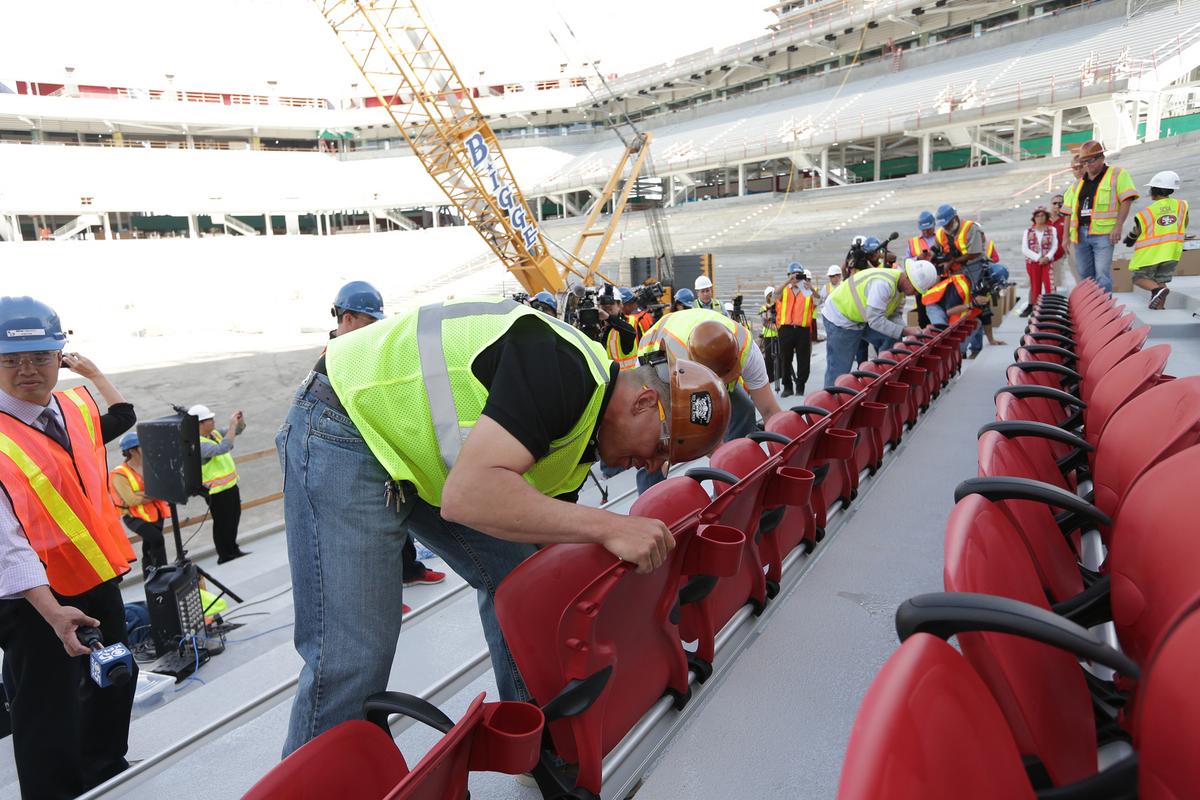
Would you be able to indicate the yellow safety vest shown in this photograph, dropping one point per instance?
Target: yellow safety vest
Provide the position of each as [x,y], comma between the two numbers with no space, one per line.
[768,333]
[794,308]
[850,296]
[713,305]
[1115,187]
[1163,223]
[672,331]
[219,473]
[626,360]
[406,383]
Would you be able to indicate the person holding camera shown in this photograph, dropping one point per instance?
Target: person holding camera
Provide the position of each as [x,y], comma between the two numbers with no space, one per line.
[544,302]
[682,300]
[920,246]
[869,305]
[141,513]
[794,312]
[620,337]
[219,474]
[63,551]
[770,332]
[482,467]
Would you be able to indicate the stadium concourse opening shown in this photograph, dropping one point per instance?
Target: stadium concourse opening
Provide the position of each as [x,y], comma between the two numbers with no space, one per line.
[549,422]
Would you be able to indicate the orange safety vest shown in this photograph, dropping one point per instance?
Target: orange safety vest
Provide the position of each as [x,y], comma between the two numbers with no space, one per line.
[61,498]
[935,295]
[790,312]
[917,246]
[151,510]
[641,322]
[960,240]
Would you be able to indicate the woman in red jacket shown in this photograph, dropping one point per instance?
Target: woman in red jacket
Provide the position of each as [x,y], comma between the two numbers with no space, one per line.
[1039,245]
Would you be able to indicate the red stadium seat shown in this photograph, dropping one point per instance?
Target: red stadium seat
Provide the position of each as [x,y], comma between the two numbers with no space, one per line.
[359,760]
[822,453]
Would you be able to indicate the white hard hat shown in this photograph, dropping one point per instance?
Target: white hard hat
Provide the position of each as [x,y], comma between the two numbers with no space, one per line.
[201,412]
[808,276]
[834,269]
[768,291]
[921,274]
[703,282]
[729,307]
[1165,180]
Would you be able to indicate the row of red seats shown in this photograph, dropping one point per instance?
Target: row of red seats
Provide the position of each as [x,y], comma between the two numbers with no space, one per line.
[599,645]
[1088,427]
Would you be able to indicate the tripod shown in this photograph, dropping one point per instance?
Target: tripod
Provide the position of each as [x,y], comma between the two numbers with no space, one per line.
[181,559]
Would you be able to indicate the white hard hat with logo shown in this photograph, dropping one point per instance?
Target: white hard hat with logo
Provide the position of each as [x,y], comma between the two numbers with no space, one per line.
[1165,180]
[703,282]
[201,412]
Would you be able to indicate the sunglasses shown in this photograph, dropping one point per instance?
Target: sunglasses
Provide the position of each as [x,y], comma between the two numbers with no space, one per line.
[1091,159]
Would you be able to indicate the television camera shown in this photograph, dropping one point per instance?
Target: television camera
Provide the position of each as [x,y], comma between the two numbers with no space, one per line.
[857,257]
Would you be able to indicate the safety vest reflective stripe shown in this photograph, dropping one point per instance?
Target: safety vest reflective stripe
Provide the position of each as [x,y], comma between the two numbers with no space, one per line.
[768,333]
[671,333]
[58,509]
[74,396]
[960,240]
[1157,243]
[151,510]
[916,246]
[959,282]
[850,296]
[219,472]
[786,308]
[613,346]
[1106,203]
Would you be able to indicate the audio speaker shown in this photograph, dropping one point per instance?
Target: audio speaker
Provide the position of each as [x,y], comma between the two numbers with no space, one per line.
[171,457]
[173,599]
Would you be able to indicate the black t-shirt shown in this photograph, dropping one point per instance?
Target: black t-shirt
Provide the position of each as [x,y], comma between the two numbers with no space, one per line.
[538,385]
[1087,197]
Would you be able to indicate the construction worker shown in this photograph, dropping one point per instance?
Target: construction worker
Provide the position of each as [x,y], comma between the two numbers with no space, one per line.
[141,513]
[1157,238]
[1068,212]
[445,409]
[949,301]
[620,336]
[794,313]
[870,305]
[357,305]
[219,474]
[1102,199]
[728,349]
[834,274]
[544,302]
[921,246]
[63,551]
[683,299]
[640,318]
[970,252]
[770,332]
[704,295]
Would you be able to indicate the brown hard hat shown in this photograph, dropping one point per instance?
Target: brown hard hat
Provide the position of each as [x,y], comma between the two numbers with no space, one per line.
[699,410]
[1091,148]
[714,345]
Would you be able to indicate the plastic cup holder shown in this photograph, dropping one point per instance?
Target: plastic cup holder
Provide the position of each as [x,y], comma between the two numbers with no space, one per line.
[837,444]
[715,550]
[509,738]
[869,414]
[894,393]
[792,486]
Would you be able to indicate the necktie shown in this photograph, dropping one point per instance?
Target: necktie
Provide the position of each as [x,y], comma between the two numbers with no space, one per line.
[54,429]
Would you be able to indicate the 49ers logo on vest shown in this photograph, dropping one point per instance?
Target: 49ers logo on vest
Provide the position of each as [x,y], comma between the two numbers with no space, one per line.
[701,408]
[1168,219]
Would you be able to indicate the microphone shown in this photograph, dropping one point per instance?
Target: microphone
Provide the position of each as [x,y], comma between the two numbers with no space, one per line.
[109,666]
[895,235]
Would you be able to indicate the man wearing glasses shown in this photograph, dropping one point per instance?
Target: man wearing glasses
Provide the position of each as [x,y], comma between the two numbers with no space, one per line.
[62,552]
[1102,198]
[470,424]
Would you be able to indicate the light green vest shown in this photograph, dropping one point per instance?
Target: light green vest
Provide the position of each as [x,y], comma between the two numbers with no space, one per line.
[671,333]
[219,472]
[850,296]
[407,384]
[1164,224]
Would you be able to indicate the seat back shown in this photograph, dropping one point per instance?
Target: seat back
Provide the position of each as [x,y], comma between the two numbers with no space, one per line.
[1034,523]
[1121,382]
[1169,714]
[1040,689]
[929,730]
[1155,553]
[1154,425]
[353,759]
[1109,356]
[1095,340]
[1041,452]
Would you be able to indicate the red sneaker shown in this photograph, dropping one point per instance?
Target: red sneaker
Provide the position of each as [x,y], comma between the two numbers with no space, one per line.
[405,608]
[430,577]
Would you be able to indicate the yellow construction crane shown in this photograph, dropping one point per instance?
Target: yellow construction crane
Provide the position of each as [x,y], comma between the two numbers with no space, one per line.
[419,88]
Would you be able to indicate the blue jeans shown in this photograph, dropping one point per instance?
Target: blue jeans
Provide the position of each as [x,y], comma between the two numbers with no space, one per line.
[742,419]
[841,348]
[1093,257]
[344,549]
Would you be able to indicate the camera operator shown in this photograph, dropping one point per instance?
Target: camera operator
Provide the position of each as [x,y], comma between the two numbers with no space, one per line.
[794,312]
[949,301]
[770,332]
[866,252]
[682,300]
[620,337]
[544,302]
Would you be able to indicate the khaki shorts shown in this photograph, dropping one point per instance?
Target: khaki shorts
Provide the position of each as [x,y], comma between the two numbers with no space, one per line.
[1159,273]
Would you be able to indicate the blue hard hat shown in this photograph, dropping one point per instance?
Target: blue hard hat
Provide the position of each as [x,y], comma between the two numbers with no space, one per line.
[29,326]
[945,213]
[626,294]
[926,222]
[362,297]
[129,441]
[871,244]
[548,299]
[685,296]
[795,267]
